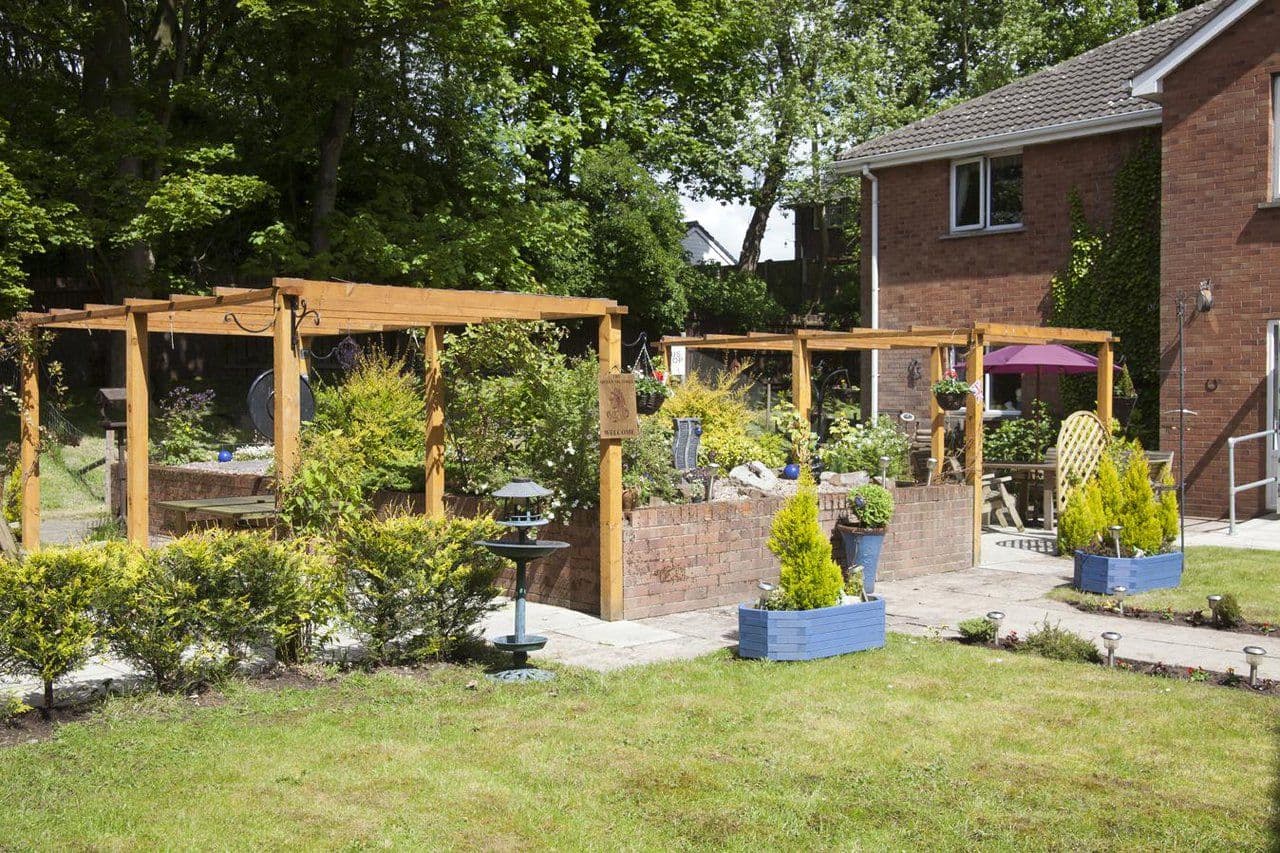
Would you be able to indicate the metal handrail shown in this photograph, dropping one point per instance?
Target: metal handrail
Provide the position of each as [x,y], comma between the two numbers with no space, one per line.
[1231,471]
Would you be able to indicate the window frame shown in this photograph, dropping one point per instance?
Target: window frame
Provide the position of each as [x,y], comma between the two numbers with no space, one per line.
[1275,137]
[984,193]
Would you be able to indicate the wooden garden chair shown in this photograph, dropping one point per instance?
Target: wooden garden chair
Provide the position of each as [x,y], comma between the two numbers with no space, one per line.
[998,503]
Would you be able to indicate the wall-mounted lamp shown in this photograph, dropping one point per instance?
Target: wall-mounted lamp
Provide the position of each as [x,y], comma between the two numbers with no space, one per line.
[1204,300]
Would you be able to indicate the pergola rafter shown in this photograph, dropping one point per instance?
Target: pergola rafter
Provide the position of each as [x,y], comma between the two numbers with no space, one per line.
[973,338]
[288,312]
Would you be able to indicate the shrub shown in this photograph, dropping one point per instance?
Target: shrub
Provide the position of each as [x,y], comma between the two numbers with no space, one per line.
[13,494]
[326,491]
[47,626]
[154,613]
[1058,643]
[417,586]
[871,505]
[182,428]
[648,464]
[1022,439]
[722,409]
[259,591]
[11,708]
[810,577]
[1228,613]
[979,629]
[380,408]
[858,447]
[730,301]
[517,407]
[1120,493]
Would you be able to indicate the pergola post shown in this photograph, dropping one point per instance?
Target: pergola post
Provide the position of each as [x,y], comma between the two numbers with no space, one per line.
[801,383]
[1106,370]
[610,346]
[287,367]
[29,456]
[937,417]
[973,436]
[433,343]
[137,383]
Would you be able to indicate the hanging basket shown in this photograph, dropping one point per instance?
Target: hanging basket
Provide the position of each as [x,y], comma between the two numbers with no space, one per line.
[1122,408]
[950,401]
[649,403]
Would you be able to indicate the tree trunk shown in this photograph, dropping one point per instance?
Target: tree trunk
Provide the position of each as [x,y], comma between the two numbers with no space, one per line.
[766,199]
[325,199]
[46,710]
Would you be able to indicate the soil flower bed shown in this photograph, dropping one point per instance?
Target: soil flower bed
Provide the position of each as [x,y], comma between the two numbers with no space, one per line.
[1192,618]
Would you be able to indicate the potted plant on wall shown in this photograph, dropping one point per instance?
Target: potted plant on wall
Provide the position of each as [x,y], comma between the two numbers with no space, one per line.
[950,391]
[808,615]
[1119,531]
[1125,397]
[863,529]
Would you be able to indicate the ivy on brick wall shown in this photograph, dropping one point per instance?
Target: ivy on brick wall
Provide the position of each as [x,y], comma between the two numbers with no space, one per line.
[1112,281]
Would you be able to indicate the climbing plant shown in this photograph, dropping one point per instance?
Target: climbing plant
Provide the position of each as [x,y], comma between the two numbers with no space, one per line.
[1112,281]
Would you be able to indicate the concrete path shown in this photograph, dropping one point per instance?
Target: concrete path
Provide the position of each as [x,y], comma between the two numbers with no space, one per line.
[1263,533]
[1017,571]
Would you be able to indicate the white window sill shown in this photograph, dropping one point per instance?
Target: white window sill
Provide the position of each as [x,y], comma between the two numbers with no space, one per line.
[983,232]
[1267,205]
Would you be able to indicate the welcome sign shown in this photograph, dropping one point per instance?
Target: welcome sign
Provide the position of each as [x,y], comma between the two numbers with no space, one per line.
[618,418]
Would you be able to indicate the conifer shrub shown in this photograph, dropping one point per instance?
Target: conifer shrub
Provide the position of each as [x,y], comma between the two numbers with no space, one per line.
[1120,493]
[810,578]
[47,624]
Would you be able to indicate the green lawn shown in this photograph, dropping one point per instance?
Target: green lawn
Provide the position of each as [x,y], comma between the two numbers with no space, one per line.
[1252,576]
[923,745]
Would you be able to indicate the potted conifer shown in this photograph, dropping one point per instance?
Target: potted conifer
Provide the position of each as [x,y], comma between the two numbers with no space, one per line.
[808,616]
[1125,397]
[863,530]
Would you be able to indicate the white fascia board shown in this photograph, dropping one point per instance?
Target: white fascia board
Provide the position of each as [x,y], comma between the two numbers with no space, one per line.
[987,144]
[1149,82]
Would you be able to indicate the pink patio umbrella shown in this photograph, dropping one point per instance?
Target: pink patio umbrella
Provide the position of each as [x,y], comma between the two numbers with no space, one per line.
[1039,358]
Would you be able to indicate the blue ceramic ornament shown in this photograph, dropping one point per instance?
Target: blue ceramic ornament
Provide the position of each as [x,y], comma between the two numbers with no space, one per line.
[791,472]
[224,455]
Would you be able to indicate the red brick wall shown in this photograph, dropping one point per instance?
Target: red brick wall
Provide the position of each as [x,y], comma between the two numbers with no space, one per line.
[929,277]
[1216,165]
[679,558]
[675,558]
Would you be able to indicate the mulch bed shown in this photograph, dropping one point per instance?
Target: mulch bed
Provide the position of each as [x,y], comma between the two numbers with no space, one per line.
[1192,618]
[1228,679]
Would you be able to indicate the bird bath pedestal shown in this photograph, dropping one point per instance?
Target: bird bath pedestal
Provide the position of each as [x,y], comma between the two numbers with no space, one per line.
[520,513]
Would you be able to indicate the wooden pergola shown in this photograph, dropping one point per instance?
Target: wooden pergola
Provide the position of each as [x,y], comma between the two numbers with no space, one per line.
[289,312]
[973,339]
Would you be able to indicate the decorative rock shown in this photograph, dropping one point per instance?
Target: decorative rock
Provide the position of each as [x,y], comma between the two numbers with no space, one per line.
[852,478]
[827,476]
[747,476]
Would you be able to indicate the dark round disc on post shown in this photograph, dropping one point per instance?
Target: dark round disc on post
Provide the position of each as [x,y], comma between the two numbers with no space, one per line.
[262,403]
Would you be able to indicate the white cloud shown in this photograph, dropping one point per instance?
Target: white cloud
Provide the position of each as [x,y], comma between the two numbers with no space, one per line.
[728,223]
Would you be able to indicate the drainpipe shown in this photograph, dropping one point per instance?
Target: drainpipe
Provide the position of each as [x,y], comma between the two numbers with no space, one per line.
[875,285]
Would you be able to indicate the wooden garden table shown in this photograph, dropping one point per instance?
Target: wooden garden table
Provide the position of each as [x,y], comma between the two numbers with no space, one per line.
[233,509]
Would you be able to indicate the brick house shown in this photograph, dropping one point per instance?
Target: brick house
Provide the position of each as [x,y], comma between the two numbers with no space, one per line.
[967,217]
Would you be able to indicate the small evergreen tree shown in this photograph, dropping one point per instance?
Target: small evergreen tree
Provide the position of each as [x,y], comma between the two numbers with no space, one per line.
[1120,493]
[810,578]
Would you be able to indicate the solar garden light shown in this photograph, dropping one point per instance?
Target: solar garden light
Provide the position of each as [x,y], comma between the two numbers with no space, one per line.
[1110,642]
[765,589]
[884,470]
[1115,536]
[933,463]
[1254,655]
[1120,592]
[1214,601]
[996,616]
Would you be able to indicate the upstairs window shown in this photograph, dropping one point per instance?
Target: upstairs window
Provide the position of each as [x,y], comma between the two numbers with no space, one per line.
[1275,137]
[986,193]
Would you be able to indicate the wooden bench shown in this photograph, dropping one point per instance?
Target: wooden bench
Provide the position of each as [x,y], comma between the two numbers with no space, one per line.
[237,509]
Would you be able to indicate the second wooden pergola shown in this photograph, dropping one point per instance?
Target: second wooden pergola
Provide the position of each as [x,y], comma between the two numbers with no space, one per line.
[289,312]
[973,339]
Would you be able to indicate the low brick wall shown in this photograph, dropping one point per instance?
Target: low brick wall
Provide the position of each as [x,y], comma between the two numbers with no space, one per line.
[677,557]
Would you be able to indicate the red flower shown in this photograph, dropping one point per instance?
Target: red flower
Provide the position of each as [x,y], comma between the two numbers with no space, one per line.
[657,374]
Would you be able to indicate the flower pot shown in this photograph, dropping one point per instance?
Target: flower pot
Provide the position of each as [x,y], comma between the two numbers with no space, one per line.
[949,401]
[1122,408]
[647,403]
[810,634]
[1101,574]
[862,546]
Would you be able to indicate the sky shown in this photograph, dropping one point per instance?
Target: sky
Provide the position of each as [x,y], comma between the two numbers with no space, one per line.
[728,223]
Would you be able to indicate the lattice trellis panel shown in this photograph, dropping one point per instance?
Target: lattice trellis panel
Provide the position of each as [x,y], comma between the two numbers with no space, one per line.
[1081,442]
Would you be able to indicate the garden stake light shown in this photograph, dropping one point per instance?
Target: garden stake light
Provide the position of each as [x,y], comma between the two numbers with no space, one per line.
[765,589]
[1110,641]
[884,470]
[1120,592]
[520,511]
[1115,536]
[933,463]
[996,616]
[1254,655]
[1214,601]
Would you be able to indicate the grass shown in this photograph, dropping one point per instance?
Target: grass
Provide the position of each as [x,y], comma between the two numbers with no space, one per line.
[1253,576]
[919,745]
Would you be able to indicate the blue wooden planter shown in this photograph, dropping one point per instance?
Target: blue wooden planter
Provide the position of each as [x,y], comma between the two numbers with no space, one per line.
[1095,573]
[810,634]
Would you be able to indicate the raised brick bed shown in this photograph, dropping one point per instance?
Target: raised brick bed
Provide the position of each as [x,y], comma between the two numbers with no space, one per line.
[675,558]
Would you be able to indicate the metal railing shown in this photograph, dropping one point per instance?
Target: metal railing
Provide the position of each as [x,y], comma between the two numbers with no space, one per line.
[1272,464]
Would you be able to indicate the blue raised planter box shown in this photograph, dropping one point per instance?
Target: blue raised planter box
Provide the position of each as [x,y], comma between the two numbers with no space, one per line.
[1095,573]
[810,634]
